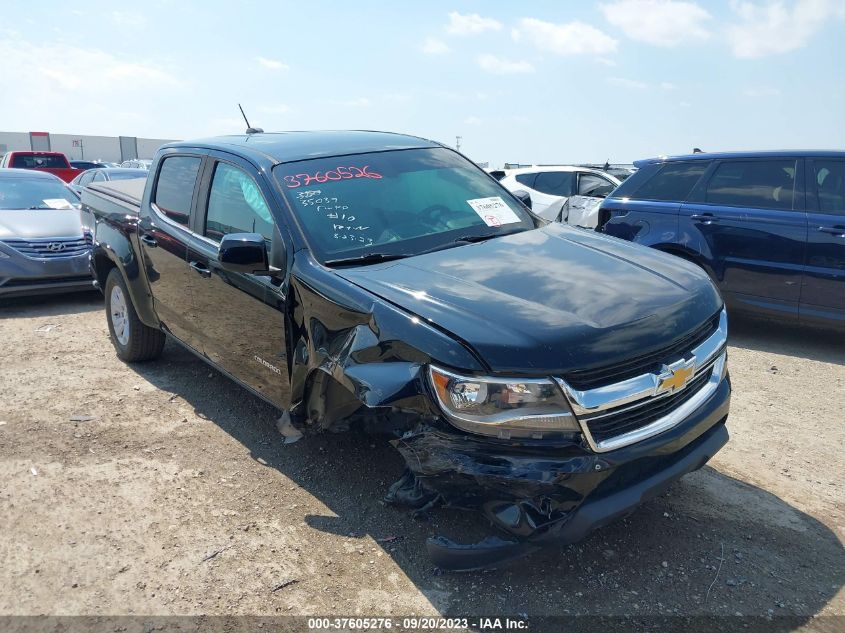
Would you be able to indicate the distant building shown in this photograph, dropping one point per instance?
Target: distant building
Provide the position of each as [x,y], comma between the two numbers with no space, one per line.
[114,149]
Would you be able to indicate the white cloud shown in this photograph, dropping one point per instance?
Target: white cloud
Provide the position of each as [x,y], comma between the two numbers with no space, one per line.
[667,85]
[470,24]
[70,68]
[45,73]
[659,22]
[472,120]
[432,46]
[775,28]
[685,104]
[499,66]
[130,19]
[605,61]
[272,64]
[572,38]
[627,83]
[761,91]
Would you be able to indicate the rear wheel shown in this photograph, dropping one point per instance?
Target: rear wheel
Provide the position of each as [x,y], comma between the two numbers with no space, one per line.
[132,340]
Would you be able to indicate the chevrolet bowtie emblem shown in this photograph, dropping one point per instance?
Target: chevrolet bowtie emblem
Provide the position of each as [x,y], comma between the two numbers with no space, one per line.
[675,376]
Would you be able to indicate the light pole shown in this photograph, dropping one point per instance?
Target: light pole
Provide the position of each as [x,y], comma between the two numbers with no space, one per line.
[458,143]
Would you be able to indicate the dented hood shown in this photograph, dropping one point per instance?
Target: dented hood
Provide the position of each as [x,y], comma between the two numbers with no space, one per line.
[548,301]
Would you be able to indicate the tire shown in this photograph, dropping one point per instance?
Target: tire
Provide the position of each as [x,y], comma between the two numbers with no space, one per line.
[133,341]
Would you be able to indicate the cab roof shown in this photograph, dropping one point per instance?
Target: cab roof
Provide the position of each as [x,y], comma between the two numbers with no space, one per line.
[779,153]
[283,147]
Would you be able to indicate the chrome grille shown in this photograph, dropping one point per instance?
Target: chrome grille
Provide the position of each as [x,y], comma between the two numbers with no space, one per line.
[641,406]
[50,248]
[630,418]
[589,379]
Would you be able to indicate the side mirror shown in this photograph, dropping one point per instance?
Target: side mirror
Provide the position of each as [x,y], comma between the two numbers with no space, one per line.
[523,196]
[243,253]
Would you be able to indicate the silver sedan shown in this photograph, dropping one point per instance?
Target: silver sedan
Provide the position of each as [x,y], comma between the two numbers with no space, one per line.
[43,246]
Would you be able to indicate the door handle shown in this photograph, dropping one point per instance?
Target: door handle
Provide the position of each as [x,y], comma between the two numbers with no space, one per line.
[149,240]
[838,231]
[202,269]
[707,218]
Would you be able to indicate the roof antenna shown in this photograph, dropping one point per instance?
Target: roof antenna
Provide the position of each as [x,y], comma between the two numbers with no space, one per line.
[249,128]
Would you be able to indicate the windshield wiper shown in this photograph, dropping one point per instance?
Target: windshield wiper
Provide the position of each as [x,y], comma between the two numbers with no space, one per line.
[480,238]
[368,258]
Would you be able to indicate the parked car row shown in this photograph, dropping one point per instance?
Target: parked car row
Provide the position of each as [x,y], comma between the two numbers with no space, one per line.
[381,281]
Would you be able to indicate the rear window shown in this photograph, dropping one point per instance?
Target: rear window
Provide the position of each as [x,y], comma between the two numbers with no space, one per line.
[175,187]
[554,183]
[526,179]
[38,161]
[767,184]
[127,174]
[670,182]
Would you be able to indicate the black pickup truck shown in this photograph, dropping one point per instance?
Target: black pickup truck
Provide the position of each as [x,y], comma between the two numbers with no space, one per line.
[549,377]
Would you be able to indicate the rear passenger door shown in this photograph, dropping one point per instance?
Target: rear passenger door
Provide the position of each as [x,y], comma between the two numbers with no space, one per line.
[163,233]
[823,294]
[240,317]
[747,221]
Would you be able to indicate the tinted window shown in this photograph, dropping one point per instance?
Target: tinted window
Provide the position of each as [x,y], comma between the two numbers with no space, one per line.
[235,205]
[85,178]
[175,187]
[33,161]
[673,182]
[830,183]
[592,185]
[99,176]
[396,202]
[526,179]
[768,184]
[554,183]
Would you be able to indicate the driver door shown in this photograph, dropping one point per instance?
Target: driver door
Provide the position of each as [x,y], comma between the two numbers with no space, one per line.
[240,318]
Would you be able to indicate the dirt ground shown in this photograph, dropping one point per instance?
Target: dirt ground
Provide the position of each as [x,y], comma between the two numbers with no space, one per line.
[163,488]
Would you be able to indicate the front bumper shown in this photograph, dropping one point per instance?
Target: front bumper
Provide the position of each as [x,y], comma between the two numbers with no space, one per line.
[25,276]
[540,494]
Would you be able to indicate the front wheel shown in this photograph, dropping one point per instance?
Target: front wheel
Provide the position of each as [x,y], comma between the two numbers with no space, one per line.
[133,341]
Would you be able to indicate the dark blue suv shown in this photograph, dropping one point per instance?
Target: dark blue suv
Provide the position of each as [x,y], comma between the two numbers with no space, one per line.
[769,227]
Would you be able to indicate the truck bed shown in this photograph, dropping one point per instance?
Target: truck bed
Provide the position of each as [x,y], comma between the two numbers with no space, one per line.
[119,196]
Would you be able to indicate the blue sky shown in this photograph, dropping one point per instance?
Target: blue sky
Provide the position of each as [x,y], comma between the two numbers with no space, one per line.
[546,81]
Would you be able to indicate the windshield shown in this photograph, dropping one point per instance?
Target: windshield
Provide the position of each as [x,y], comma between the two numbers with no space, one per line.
[35,193]
[400,202]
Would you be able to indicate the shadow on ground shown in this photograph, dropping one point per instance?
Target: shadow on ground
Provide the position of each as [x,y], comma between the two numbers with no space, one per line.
[51,305]
[826,346]
[712,545]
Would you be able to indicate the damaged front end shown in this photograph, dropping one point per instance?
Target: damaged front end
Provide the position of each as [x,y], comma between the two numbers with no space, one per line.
[541,495]
[515,450]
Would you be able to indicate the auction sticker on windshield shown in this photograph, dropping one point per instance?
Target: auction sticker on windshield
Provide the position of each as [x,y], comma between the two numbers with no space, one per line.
[493,211]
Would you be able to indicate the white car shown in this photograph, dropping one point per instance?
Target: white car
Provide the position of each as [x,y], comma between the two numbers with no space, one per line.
[550,187]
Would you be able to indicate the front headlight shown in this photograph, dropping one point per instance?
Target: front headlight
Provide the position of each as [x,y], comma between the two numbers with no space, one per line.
[503,407]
